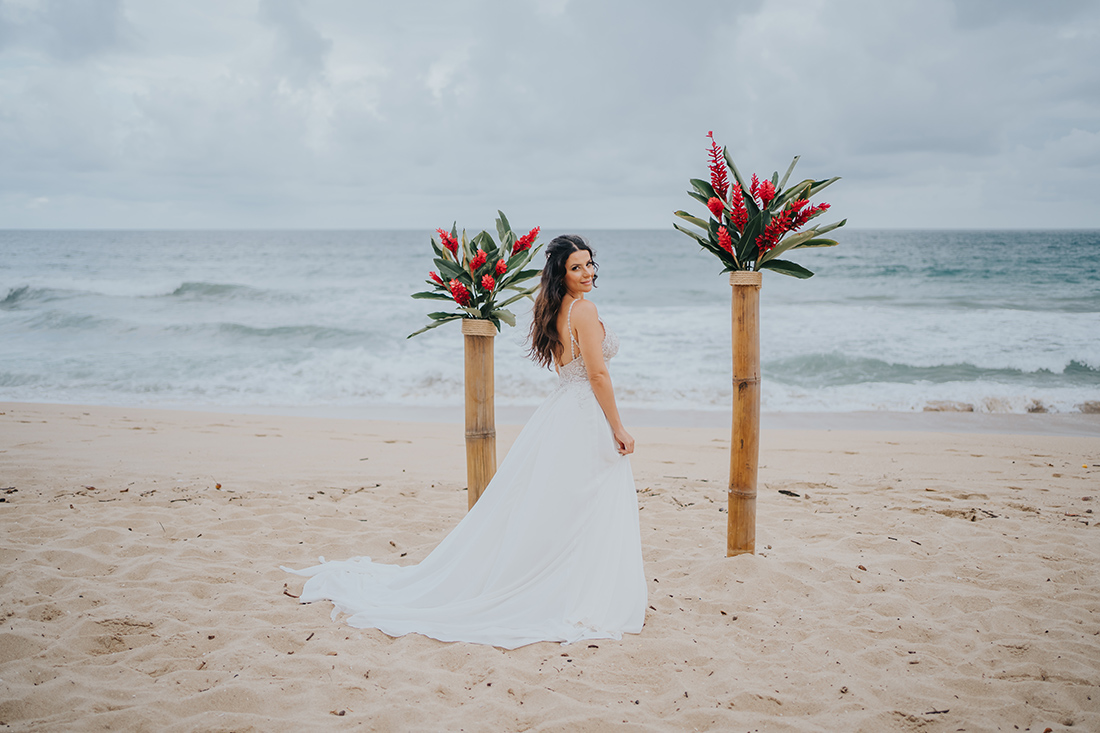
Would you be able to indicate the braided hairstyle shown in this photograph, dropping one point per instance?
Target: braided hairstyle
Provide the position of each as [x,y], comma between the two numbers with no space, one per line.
[545,341]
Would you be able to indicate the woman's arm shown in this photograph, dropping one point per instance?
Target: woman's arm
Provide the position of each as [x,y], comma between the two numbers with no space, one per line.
[590,336]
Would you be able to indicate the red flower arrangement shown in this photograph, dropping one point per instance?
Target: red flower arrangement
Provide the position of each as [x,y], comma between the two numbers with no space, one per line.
[449,241]
[724,240]
[459,292]
[524,242]
[478,260]
[718,179]
[750,226]
[477,271]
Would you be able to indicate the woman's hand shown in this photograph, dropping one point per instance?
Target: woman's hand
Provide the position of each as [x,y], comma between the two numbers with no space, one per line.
[624,441]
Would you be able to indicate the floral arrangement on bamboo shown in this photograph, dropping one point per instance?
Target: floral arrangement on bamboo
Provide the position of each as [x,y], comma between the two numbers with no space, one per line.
[473,273]
[751,225]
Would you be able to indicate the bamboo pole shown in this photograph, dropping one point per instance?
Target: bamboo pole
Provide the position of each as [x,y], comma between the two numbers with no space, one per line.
[481,433]
[745,435]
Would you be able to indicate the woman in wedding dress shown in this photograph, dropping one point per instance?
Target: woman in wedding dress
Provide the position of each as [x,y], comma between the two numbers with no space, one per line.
[552,550]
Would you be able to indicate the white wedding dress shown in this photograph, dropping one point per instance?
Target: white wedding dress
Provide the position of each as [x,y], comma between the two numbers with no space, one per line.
[550,552]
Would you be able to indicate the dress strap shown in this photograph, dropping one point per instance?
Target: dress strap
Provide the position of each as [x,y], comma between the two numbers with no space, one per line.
[569,325]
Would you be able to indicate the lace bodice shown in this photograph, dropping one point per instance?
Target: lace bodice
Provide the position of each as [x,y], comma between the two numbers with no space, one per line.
[575,372]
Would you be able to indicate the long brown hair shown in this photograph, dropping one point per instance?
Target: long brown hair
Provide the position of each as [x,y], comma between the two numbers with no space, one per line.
[545,342]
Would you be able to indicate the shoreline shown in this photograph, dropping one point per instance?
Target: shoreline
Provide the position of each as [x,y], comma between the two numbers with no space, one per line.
[1063,424]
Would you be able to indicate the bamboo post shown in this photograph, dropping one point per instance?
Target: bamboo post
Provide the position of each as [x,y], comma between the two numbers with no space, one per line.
[745,436]
[481,433]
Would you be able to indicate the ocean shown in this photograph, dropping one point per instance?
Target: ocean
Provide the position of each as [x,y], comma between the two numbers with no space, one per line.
[993,321]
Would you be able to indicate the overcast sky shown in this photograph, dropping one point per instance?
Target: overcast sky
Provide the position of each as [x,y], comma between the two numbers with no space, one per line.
[565,113]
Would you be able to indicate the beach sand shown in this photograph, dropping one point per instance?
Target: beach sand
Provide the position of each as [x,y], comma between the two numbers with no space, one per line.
[925,581]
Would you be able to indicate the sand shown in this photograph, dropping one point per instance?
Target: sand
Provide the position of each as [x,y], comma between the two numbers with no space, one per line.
[917,581]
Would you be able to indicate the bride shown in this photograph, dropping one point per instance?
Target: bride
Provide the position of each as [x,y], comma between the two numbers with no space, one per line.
[552,550]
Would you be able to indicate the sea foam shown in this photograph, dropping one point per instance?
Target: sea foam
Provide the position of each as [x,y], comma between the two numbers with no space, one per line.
[892,321]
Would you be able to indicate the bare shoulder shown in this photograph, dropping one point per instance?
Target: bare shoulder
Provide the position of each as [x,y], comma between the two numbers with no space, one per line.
[585,311]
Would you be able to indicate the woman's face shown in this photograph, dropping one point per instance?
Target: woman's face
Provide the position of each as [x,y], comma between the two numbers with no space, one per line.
[580,273]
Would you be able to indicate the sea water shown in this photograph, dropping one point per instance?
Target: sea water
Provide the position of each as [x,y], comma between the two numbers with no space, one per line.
[994,321]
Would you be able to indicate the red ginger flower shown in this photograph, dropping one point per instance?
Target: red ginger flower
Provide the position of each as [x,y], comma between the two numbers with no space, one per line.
[780,225]
[767,193]
[718,180]
[438,280]
[724,240]
[762,191]
[501,268]
[738,214]
[488,284]
[448,241]
[478,260]
[525,242]
[799,213]
[716,207]
[459,292]
[814,210]
[793,217]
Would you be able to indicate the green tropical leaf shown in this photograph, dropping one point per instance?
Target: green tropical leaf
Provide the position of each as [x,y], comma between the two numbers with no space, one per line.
[519,296]
[448,270]
[785,267]
[516,274]
[733,168]
[704,188]
[831,227]
[505,315]
[819,185]
[444,315]
[697,237]
[434,324]
[712,230]
[503,227]
[519,287]
[436,247]
[788,243]
[519,259]
[484,241]
[746,247]
[709,246]
[698,197]
[817,243]
[693,219]
[787,175]
[430,295]
[794,192]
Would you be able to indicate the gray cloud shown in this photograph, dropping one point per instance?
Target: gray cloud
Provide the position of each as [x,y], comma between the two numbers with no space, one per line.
[300,50]
[65,30]
[350,114]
